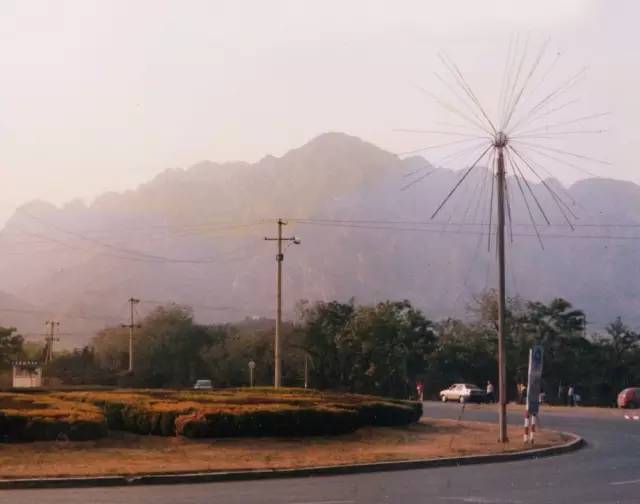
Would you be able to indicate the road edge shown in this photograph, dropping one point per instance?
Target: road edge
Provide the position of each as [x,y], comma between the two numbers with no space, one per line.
[211,477]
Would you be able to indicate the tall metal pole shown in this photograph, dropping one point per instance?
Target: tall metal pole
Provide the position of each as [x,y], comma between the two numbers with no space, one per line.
[277,380]
[306,371]
[502,329]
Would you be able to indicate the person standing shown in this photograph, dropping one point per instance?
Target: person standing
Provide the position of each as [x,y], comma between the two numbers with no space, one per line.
[571,396]
[522,393]
[490,392]
[420,390]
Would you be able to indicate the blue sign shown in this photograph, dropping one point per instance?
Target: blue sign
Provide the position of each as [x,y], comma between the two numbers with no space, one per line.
[534,382]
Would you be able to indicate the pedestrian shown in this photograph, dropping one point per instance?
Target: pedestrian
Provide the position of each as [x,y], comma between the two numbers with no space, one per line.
[571,396]
[522,391]
[541,397]
[420,390]
[490,392]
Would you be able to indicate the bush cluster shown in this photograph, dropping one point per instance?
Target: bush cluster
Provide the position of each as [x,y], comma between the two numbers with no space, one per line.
[26,417]
[229,413]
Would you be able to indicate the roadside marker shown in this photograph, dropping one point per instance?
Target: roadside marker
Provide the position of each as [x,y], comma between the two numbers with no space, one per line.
[529,427]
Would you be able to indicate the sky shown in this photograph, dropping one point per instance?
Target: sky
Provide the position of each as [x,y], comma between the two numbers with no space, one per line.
[103,95]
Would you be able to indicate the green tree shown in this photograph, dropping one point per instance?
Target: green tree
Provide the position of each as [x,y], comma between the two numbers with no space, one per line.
[388,344]
[11,345]
[324,337]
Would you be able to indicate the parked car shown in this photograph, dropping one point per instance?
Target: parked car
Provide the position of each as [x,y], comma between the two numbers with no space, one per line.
[463,392]
[629,398]
[203,385]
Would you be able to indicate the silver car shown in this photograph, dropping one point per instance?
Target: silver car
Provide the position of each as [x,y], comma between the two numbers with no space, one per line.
[462,392]
[203,385]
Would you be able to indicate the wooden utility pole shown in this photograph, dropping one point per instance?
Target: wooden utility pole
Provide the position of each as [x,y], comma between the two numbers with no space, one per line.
[277,379]
[500,143]
[49,339]
[306,371]
[132,302]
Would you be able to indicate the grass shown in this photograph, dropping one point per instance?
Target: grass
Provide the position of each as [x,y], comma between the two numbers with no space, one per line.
[125,453]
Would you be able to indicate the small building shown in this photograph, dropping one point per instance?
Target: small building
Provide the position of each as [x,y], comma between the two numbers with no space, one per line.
[27,374]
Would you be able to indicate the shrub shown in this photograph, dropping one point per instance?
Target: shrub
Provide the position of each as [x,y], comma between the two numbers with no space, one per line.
[193,414]
[37,417]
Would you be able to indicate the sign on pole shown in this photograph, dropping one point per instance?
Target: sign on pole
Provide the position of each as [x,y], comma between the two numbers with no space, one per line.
[252,366]
[534,382]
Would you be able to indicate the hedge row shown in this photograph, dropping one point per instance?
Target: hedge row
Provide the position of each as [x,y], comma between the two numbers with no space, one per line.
[284,421]
[25,417]
[241,412]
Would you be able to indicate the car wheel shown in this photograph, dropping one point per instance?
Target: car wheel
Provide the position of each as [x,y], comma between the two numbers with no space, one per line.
[443,398]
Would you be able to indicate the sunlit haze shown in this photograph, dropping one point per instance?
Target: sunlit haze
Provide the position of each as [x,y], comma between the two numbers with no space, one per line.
[104,95]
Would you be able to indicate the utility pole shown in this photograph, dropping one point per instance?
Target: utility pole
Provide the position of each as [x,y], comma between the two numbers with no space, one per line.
[132,302]
[306,371]
[49,339]
[500,143]
[277,379]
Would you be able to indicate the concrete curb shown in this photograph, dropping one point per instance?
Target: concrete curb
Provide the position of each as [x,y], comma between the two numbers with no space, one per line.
[210,477]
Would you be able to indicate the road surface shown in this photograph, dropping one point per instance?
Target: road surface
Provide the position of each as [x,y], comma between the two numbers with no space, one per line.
[606,471]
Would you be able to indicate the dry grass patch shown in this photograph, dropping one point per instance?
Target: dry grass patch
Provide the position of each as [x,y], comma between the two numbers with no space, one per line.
[125,453]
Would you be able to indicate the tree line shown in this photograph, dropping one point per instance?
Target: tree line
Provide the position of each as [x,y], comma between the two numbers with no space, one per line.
[380,349]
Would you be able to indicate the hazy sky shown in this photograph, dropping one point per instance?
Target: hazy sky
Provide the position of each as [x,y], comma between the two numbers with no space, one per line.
[102,95]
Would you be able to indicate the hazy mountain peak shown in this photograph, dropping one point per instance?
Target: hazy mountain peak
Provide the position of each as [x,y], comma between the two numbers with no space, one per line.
[338,144]
[164,240]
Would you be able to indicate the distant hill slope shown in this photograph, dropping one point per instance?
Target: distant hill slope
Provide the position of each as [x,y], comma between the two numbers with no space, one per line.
[196,236]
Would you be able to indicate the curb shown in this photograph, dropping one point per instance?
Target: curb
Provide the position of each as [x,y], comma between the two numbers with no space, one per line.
[211,477]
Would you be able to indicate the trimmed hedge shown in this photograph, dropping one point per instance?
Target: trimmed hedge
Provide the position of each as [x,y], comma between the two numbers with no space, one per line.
[26,417]
[227,413]
[270,421]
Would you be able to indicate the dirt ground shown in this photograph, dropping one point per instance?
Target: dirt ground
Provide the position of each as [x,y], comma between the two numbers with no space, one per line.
[127,454]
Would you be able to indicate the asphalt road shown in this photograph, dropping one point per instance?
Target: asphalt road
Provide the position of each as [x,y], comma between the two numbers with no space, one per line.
[606,471]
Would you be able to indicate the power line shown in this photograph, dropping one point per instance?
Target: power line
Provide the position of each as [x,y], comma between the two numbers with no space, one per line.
[198,306]
[456,223]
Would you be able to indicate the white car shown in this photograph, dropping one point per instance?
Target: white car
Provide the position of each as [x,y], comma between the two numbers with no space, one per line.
[462,392]
[203,385]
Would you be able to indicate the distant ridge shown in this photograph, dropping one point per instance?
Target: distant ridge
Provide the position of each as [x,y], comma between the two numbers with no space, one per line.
[195,236]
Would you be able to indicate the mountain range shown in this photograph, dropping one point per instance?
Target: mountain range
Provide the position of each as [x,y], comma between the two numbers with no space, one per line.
[195,236]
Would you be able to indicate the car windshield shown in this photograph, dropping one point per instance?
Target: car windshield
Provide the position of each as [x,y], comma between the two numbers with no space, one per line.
[471,386]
